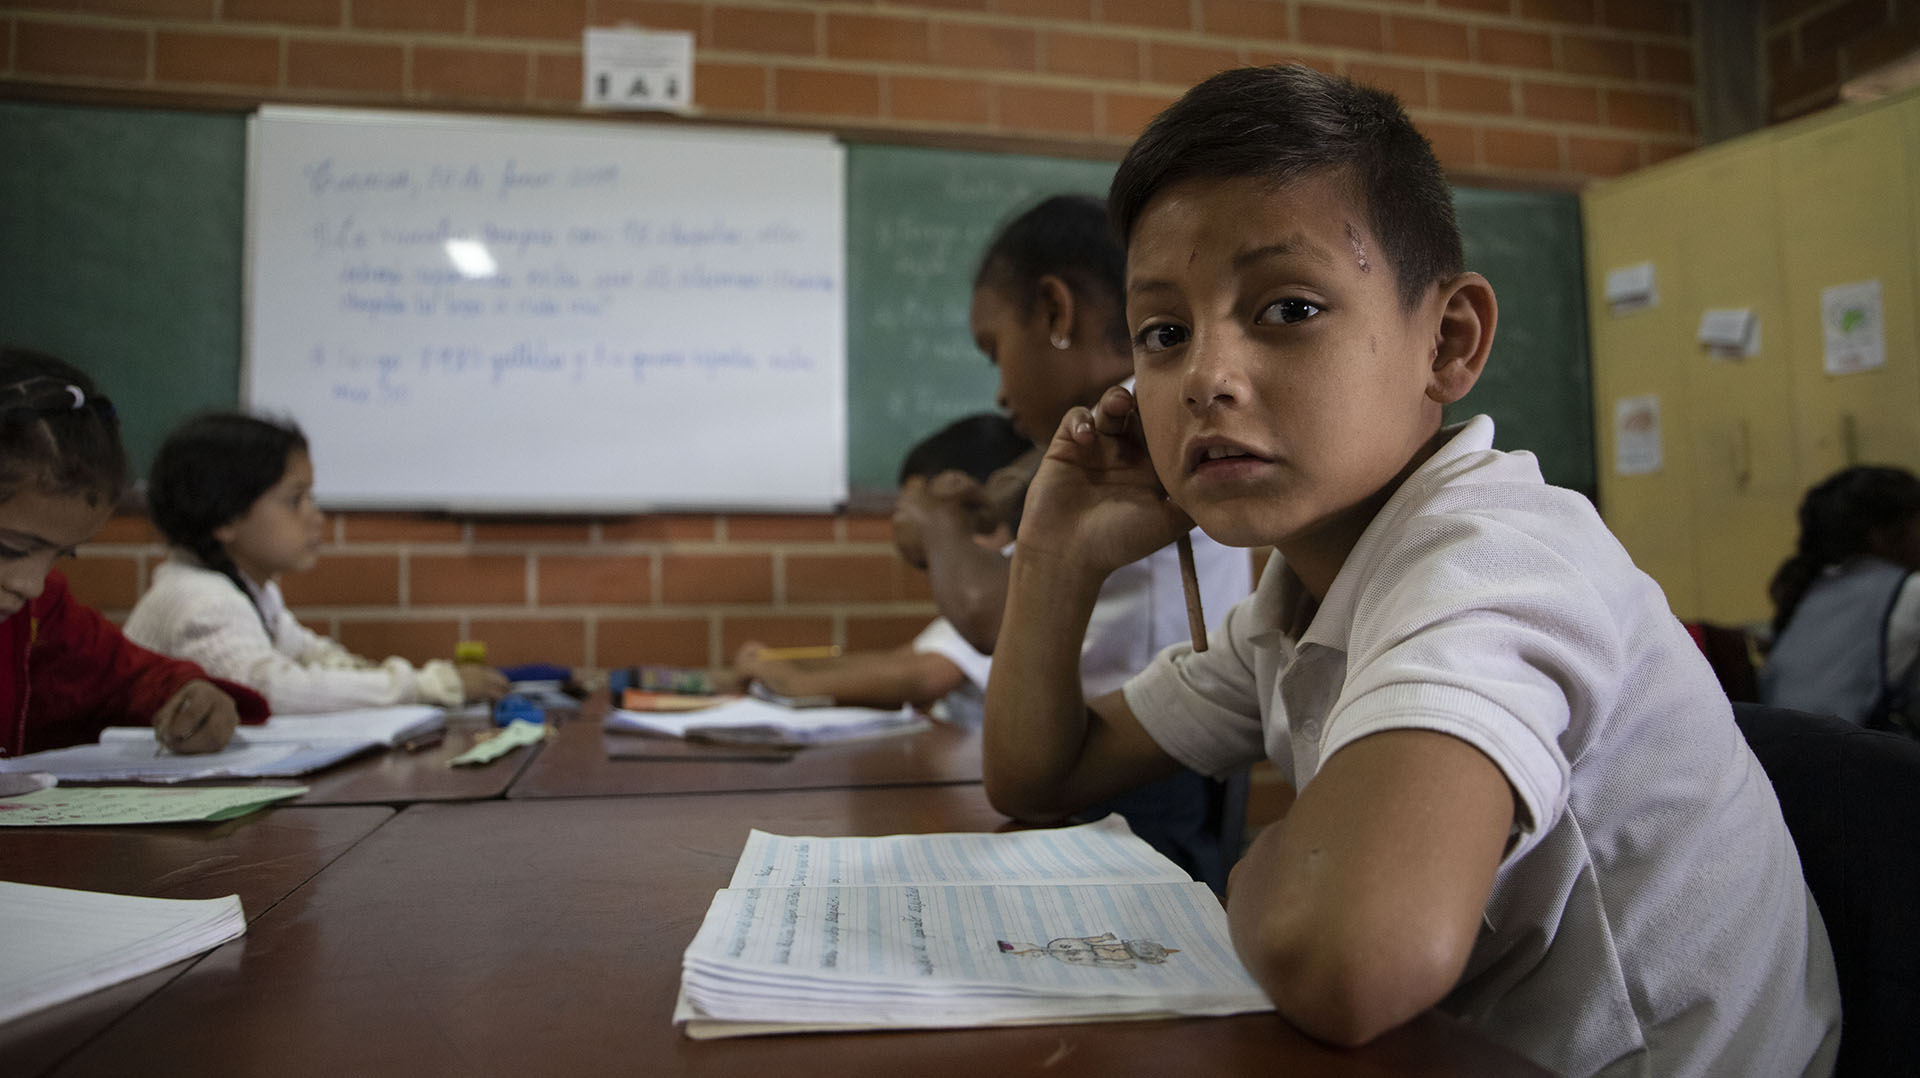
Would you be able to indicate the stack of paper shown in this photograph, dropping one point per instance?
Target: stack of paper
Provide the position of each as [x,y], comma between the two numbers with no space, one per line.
[927,931]
[283,746]
[747,720]
[60,944]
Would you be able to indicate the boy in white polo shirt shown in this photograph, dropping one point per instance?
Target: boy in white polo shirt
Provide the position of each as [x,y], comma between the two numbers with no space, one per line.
[1521,794]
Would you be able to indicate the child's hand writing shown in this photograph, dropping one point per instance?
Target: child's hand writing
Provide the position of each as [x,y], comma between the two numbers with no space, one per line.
[1096,501]
[481,682]
[197,718]
[775,674]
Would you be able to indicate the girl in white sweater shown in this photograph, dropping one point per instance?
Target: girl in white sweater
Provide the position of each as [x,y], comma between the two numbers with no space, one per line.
[233,494]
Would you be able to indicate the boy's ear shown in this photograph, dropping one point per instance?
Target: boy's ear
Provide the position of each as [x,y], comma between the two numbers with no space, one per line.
[1468,312]
[1058,310]
[224,533]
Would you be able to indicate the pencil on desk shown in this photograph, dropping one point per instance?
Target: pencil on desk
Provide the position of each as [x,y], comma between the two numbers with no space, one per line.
[824,651]
[1190,583]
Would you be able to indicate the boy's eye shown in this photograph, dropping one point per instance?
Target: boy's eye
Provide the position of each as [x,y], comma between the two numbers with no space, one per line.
[1287,312]
[1160,336]
[12,553]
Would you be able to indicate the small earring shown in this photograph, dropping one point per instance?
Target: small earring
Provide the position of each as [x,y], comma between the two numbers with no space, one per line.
[1061,343]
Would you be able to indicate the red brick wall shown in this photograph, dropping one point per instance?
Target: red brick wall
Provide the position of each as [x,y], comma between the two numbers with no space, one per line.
[1514,91]
[1815,45]
[683,590]
[1533,90]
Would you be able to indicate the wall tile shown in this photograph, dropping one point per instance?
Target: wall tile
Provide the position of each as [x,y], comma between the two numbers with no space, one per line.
[415,640]
[512,641]
[466,579]
[80,51]
[716,578]
[652,641]
[595,579]
[346,580]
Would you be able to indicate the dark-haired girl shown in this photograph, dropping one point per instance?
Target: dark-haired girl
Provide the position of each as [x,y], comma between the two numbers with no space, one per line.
[68,672]
[1846,617]
[233,494]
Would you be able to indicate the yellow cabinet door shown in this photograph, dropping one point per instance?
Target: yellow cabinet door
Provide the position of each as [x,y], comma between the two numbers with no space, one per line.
[1845,207]
[1644,353]
[1746,477]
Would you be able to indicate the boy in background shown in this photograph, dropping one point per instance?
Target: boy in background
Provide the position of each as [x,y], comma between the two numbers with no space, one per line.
[938,671]
[1521,794]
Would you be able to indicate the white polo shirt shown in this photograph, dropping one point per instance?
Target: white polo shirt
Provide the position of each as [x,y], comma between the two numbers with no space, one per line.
[1650,917]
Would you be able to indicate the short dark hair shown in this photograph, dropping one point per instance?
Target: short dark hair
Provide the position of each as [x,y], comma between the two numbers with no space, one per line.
[210,471]
[1069,237]
[58,433]
[1838,517]
[1285,123]
[978,445]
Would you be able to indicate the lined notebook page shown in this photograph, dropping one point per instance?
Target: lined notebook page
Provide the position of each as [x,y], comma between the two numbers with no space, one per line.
[60,943]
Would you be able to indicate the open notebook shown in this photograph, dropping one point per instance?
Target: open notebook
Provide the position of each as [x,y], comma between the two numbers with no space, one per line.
[745,720]
[283,746]
[60,944]
[1084,923]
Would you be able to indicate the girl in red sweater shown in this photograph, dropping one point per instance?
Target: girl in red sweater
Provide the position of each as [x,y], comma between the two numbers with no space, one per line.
[66,672]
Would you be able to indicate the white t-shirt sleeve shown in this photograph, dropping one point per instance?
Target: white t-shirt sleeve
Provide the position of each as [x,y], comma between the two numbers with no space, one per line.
[941,638]
[1483,649]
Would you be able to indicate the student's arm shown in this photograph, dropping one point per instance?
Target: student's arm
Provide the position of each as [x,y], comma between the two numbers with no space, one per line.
[218,628]
[934,526]
[1094,506]
[861,679]
[86,675]
[1358,909]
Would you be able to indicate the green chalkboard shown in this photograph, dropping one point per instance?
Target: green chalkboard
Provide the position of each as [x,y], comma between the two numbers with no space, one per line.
[1538,385]
[120,250]
[122,244]
[917,220]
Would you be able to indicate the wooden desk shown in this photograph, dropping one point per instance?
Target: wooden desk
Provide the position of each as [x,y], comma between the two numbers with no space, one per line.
[398,777]
[575,764]
[544,937]
[261,858]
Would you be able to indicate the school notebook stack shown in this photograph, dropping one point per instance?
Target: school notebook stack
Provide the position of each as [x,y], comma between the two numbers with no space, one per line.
[59,944]
[283,746]
[1083,923]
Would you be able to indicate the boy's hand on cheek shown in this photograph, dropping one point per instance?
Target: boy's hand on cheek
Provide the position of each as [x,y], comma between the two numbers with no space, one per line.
[197,718]
[1096,499]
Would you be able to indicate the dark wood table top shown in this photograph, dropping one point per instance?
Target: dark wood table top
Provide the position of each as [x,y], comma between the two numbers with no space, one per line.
[577,763]
[261,857]
[545,937]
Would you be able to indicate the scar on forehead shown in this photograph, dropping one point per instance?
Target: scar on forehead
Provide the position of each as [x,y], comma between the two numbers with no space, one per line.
[1359,249]
[1193,254]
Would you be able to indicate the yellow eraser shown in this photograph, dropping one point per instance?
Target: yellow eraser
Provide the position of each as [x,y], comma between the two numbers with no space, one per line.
[470,651]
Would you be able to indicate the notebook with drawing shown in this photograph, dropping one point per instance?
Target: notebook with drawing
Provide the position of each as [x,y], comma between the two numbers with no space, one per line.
[1083,923]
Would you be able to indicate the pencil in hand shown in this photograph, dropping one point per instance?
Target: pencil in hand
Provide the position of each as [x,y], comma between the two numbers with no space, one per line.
[1190,583]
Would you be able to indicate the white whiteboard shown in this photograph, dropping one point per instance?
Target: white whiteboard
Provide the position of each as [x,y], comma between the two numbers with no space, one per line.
[510,314]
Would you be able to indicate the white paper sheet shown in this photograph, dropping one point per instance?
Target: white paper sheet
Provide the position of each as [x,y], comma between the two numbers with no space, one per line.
[61,943]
